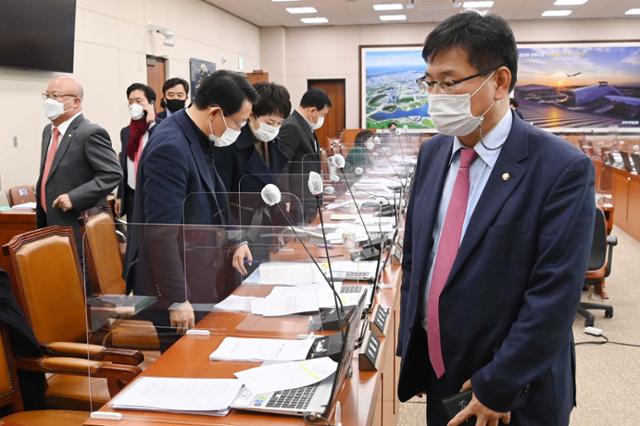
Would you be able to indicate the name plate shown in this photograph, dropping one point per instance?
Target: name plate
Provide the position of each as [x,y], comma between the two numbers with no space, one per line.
[369,352]
[379,321]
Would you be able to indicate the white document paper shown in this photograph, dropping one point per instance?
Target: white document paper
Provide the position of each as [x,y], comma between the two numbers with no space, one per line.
[351,266]
[201,396]
[28,206]
[249,349]
[286,301]
[286,273]
[287,375]
[235,303]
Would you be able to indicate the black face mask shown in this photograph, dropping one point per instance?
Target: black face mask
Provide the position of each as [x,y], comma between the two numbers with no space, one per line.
[174,105]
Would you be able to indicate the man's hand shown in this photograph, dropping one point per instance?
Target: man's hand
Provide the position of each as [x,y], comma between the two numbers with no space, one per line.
[151,113]
[63,202]
[484,415]
[181,317]
[117,206]
[239,255]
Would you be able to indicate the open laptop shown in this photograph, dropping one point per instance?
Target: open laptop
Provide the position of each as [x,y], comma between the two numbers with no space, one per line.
[317,398]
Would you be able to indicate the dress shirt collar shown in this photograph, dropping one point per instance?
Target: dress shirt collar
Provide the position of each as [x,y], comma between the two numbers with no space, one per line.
[62,127]
[495,138]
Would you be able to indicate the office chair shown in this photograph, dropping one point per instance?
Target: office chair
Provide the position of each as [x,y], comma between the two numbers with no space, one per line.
[599,267]
[11,398]
[20,195]
[54,304]
[102,246]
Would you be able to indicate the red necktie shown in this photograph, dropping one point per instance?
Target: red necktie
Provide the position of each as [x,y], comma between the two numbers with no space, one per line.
[47,167]
[446,255]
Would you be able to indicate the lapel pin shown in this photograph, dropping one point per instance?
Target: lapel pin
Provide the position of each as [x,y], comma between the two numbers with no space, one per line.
[506,176]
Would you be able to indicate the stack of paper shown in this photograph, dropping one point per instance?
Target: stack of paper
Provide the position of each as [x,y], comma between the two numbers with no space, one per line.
[285,273]
[287,375]
[256,350]
[235,303]
[193,396]
[286,301]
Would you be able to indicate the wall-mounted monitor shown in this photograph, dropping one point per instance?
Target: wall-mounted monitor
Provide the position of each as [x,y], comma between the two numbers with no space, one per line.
[37,34]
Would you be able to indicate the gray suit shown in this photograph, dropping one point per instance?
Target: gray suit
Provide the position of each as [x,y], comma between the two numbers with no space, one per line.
[299,146]
[85,167]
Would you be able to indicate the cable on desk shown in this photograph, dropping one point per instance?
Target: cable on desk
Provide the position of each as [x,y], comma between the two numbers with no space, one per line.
[312,419]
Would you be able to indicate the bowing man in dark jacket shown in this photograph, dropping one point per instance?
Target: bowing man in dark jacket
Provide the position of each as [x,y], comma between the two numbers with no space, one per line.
[497,237]
[301,148]
[241,166]
[134,138]
[178,187]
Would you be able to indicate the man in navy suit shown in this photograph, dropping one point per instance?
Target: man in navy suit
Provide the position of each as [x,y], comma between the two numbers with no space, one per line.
[497,236]
[170,255]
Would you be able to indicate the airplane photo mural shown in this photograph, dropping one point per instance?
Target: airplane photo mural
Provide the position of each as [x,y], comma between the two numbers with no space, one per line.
[561,87]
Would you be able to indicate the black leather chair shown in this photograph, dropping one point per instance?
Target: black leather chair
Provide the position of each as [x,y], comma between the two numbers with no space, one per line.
[599,267]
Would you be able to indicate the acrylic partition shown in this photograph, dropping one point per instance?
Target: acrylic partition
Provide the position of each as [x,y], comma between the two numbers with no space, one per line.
[214,301]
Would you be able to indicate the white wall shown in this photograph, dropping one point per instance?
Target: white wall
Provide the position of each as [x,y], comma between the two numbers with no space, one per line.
[333,52]
[110,53]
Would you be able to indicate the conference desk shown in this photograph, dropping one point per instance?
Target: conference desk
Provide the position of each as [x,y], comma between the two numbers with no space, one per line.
[12,223]
[367,397]
[625,188]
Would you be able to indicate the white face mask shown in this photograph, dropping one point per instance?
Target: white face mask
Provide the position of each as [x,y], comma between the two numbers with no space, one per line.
[136,111]
[266,132]
[451,114]
[370,144]
[398,131]
[228,137]
[53,109]
[319,124]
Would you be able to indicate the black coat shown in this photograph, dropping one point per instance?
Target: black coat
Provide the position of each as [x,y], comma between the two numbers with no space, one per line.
[299,146]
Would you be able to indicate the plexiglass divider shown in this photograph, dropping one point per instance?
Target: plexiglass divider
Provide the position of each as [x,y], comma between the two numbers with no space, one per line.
[216,300]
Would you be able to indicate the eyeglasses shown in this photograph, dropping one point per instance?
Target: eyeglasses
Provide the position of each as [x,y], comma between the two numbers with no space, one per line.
[56,96]
[447,86]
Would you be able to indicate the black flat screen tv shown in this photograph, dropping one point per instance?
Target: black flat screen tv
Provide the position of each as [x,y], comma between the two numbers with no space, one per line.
[37,34]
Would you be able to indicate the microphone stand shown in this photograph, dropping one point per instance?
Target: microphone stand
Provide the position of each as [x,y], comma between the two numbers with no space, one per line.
[368,251]
[339,306]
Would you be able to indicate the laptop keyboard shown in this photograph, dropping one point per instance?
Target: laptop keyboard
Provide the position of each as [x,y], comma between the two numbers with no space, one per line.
[357,275]
[352,288]
[295,399]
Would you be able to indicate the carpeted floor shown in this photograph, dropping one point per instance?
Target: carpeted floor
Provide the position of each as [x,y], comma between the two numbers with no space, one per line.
[608,376]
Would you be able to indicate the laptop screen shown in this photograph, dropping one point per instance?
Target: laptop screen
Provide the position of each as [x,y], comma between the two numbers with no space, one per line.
[346,357]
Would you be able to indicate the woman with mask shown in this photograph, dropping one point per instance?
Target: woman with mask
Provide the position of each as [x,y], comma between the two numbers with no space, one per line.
[362,147]
[134,137]
[241,166]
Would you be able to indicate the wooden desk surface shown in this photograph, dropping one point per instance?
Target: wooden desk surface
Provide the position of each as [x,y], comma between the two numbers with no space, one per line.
[14,222]
[189,358]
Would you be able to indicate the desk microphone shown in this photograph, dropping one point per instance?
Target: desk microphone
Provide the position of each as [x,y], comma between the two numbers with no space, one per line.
[272,196]
[316,188]
[368,251]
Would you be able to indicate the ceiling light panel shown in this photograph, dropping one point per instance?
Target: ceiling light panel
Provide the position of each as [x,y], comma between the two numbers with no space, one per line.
[554,13]
[388,6]
[387,18]
[301,10]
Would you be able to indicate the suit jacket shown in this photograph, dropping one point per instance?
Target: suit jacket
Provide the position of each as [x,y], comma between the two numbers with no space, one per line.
[511,297]
[298,146]
[161,116]
[127,203]
[85,167]
[176,193]
[241,167]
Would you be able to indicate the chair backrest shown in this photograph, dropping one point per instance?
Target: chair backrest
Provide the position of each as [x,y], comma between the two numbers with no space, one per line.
[598,256]
[48,284]
[9,390]
[21,194]
[104,252]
